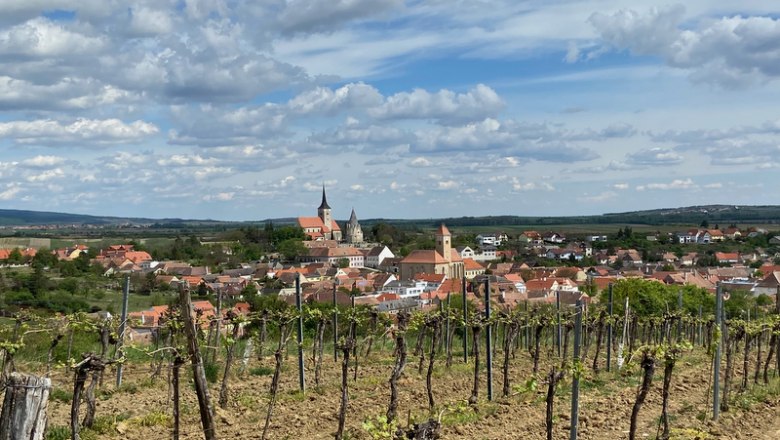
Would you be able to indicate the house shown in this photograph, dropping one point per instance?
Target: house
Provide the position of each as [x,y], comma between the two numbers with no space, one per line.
[518,282]
[376,255]
[768,285]
[25,253]
[727,257]
[716,235]
[775,240]
[487,240]
[465,252]
[442,260]
[334,256]
[406,289]
[432,280]
[553,237]
[689,259]
[472,268]
[486,253]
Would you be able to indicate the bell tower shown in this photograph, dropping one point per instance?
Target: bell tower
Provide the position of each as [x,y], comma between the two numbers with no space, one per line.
[323,212]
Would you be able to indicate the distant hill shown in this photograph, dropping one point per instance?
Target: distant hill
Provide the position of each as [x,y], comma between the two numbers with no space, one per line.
[15,217]
[714,214]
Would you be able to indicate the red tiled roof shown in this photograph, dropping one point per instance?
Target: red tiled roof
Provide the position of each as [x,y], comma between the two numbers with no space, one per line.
[430,277]
[470,264]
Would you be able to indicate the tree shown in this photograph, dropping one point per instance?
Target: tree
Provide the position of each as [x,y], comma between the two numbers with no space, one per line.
[704,224]
[291,248]
[343,262]
[15,257]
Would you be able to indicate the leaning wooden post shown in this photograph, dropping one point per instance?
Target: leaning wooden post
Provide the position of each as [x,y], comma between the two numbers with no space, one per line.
[24,408]
[575,383]
[466,324]
[679,318]
[335,325]
[488,341]
[558,334]
[122,327]
[299,307]
[609,330]
[201,386]
[716,366]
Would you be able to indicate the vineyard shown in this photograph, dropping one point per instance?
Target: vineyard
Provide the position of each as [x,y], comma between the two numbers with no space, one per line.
[470,369]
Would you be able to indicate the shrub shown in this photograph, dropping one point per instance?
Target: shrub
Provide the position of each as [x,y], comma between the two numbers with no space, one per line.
[211,370]
[261,371]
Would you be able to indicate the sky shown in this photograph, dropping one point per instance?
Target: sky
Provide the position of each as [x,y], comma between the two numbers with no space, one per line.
[244,109]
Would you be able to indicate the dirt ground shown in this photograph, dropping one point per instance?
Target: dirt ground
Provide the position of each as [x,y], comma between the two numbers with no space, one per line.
[142,408]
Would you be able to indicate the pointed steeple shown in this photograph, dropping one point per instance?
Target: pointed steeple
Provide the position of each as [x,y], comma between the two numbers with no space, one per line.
[353,218]
[324,204]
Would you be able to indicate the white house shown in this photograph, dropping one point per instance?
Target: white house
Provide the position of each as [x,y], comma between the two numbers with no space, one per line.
[376,255]
[465,252]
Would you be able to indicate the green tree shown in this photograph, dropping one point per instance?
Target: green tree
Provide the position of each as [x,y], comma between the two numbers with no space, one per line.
[343,262]
[70,285]
[291,248]
[15,256]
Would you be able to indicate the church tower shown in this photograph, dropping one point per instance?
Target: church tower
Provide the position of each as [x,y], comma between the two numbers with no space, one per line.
[354,231]
[323,212]
[444,242]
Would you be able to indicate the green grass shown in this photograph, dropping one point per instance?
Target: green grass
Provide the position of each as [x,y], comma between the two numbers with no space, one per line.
[261,371]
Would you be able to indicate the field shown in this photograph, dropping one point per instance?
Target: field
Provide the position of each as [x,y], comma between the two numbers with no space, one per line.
[140,409]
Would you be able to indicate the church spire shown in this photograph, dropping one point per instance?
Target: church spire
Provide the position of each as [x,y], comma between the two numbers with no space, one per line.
[324,204]
[353,218]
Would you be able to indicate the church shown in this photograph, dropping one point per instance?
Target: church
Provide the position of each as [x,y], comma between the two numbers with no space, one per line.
[324,227]
[442,260]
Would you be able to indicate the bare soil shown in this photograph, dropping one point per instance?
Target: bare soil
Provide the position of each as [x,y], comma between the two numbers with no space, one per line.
[138,410]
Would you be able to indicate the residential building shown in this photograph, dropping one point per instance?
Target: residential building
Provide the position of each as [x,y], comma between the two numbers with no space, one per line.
[376,255]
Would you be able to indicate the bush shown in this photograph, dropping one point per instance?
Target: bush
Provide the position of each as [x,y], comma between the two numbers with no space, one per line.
[61,395]
[212,372]
[261,371]
[58,433]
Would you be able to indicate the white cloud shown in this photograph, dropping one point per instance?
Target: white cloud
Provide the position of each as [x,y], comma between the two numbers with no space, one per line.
[731,51]
[445,105]
[446,184]
[149,22]
[220,197]
[420,162]
[44,176]
[654,156]
[10,193]
[620,186]
[80,132]
[323,100]
[41,161]
[676,184]
[715,185]
[43,38]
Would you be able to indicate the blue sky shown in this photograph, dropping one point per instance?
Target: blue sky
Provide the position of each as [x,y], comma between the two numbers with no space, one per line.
[241,110]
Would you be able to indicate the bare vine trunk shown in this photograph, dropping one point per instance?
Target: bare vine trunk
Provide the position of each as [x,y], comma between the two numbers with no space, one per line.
[648,367]
[398,368]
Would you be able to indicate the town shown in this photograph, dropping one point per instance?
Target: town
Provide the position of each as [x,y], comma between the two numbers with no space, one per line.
[337,263]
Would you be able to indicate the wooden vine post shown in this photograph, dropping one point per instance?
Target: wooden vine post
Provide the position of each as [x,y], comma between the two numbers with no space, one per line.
[24,408]
[201,386]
